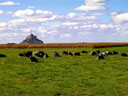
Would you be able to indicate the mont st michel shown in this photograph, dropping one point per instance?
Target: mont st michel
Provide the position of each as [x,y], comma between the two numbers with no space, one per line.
[32,39]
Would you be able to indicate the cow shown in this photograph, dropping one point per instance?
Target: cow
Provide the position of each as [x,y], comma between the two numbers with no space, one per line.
[45,56]
[114,52]
[109,53]
[56,54]
[33,59]
[98,51]
[2,55]
[28,54]
[124,54]
[104,54]
[65,52]
[70,53]
[39,54]
[76,53]
[21,54]
[93,53]
[100,57]
[84,52]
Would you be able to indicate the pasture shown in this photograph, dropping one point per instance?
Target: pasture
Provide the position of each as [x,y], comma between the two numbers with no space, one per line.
[64,76]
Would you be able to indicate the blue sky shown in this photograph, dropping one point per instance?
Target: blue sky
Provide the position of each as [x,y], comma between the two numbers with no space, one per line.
[60,21]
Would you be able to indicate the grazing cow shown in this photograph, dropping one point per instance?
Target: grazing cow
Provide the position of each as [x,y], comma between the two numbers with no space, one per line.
[114,52]
[76,53]
[39,54]
[28,54]
[109,53]
[45,56]
[124,54]
[84,52]
[56,54]
[98,51]
[21,54]
[93,53]
[104,54]
[100,57]
[65,52]
[33,59]
[2,55]
[70,53]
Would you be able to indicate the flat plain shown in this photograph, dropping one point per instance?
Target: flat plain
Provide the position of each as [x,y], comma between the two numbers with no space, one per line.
[64,76]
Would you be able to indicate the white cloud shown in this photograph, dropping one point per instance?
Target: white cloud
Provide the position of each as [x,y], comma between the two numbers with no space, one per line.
[24,13]
[113,13]
[92,5]
[69,23]
[106,26]
[45,13]
[71,14]
[1,11]
[35,16]
[84,33]
[120,18]
[28,13]
[15,23]
[81,18]
[46,16]
[2,24]
[4,35]
[9,13]
[65,35]
[9,3]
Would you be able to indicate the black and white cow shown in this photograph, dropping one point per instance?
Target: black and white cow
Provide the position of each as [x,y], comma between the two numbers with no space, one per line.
[56,54]
[26,54]
[93,53]
[84,52]
[33,59]
[124,54]
[2,55]
[100,56]
[39,53]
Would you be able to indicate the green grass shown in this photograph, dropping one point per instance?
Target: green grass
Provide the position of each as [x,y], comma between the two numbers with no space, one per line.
[68,75]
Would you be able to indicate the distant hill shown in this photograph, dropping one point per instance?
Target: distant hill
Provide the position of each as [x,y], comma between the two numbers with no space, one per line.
[32,39]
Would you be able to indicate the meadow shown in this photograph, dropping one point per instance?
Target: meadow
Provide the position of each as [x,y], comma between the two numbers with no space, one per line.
[64,76]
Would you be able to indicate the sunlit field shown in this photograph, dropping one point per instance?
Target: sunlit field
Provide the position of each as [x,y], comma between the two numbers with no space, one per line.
[64,76]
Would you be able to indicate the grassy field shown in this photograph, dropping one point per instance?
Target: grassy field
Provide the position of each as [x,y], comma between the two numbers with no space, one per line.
[67,75]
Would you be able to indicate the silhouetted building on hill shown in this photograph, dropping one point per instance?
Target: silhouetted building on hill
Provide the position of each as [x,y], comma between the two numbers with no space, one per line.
[31,39]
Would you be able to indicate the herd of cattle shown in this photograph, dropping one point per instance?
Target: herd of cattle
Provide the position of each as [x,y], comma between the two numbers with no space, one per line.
[41,54]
